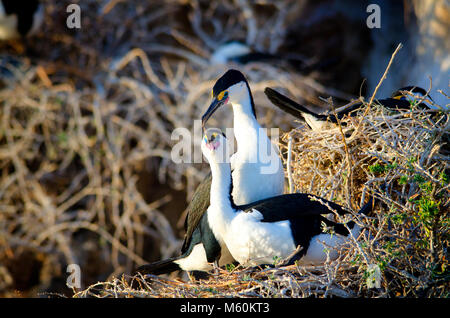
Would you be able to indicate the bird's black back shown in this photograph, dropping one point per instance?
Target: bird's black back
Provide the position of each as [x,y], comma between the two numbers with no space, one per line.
[291,206]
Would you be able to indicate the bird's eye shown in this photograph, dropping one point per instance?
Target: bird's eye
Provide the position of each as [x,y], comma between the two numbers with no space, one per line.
[222,95]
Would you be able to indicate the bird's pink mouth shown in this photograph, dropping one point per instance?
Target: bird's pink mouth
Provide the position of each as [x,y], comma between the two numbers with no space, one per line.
[213,145]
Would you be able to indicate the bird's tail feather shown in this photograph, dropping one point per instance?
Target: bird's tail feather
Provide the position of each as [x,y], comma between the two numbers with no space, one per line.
[165,266]
[288,105]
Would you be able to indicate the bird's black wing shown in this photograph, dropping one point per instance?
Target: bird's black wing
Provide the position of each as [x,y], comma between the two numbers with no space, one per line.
[289,106]
[292,206]
[300,208]
[394,104]
[195,210]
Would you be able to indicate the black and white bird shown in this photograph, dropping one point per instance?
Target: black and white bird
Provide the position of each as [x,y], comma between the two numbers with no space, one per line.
[20,18]
[238,52]
[257,174]
[317,122]
[258,232]
[232,51]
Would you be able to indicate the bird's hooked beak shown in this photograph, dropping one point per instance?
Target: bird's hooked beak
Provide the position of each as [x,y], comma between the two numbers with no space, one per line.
[215,104]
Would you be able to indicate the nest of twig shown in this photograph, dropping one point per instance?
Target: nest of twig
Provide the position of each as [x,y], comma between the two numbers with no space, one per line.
[401,158]
[256,282]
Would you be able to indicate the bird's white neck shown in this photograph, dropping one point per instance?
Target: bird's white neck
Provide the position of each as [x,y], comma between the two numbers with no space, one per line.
[257,167]
[246,127]
[251,138]
[220,211]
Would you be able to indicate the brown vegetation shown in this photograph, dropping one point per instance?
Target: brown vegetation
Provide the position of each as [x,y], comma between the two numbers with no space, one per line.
[86,175]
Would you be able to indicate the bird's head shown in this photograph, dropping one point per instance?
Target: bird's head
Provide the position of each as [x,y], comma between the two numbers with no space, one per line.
[231,88]
[418,91]
[214,146]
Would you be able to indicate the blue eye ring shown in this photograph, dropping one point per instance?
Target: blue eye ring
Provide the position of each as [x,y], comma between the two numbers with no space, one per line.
[222,96]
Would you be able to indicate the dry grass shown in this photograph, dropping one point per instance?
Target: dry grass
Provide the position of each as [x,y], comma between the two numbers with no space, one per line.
[93,110]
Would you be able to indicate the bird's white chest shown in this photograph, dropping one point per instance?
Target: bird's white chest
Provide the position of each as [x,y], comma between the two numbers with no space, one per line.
[252,242]
[256,176]
[249,185]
